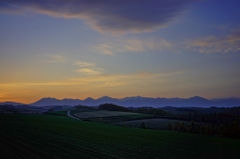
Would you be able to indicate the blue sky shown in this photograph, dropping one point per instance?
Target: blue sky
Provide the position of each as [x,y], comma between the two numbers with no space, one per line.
[154,48]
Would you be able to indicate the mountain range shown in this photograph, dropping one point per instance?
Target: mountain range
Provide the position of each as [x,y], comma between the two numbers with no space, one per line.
[10,103]
[138,101]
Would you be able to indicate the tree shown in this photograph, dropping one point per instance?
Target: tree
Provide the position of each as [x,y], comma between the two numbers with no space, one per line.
[192,126]
[207,129]
[143,126]
[234,129]
[170,126]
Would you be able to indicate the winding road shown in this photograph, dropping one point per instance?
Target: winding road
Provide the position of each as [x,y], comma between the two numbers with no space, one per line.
[68,114]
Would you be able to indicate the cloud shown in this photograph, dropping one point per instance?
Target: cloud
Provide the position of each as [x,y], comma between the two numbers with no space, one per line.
[145,74]
[106,15]
[113,80]
[88,68]
[84,64]
[55,59]
[225,44]
[143,45]
[142,80]
[132,45]
[90,71]
[3,95]
[105,49]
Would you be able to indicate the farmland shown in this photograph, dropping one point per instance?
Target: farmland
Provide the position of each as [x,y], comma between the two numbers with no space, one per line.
[98,114]
[156,123]
[48,136]
[108,116]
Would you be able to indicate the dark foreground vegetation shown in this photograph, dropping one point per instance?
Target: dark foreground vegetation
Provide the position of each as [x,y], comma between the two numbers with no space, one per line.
[48,136]
[222,122]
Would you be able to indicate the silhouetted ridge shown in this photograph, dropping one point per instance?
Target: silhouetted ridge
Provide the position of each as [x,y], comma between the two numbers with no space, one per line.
[138,101]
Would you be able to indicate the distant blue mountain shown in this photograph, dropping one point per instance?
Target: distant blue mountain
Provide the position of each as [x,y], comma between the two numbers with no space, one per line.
[53,101]
[10,103]
[138,101]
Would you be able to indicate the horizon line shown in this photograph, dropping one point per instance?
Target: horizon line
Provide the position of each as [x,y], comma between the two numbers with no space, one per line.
[121,98]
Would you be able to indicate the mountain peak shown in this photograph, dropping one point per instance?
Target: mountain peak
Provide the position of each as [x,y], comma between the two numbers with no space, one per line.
[88,98]
[11,103]
[47,98]
[104,98]
[197,98]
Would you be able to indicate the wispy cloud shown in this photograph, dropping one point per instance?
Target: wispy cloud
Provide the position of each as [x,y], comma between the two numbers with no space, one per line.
[127,80]
[55,59]
[132,45]
[135,45]
[6,96]
[225,44]
[105,49]
[145,74]
[107,16]
[83,86]
[102,80]
[83,64]
[88,68]
[3,95]
[90,71]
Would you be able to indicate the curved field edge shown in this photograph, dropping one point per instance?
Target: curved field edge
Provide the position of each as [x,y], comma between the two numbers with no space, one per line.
[105,113]
[46,136]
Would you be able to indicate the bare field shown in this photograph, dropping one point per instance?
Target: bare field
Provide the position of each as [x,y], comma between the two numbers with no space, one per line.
[101,114]
[151,123]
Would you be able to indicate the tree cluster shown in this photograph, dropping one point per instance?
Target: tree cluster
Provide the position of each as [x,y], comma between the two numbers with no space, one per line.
[112,107]
[231,130]
[152,111]
[83,107]
[7,108]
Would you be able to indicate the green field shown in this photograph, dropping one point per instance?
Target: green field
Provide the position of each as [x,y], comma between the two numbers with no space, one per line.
[104,113]
[61,113]
[109,116]
[47,136]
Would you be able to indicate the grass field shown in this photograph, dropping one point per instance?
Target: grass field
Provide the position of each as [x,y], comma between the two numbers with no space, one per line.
[61,113]
[103,113]
[109,116]
[47,136]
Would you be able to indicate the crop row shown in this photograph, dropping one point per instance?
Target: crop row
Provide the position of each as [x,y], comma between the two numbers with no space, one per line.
[45,136]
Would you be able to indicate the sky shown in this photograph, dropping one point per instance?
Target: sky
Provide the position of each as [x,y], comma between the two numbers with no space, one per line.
[152,48]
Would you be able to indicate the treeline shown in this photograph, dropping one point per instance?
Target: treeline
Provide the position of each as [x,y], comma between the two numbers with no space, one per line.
[208,116]
[84,107]
[151,111]
[144,110]
[7,108]
[212,121]
[113,107]
[231,129]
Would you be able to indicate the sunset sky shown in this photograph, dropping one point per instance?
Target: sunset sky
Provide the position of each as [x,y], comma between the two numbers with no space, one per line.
[118,48]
